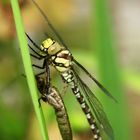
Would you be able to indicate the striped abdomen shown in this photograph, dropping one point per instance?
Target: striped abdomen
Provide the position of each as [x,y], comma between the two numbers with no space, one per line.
[69,78]
[56,101]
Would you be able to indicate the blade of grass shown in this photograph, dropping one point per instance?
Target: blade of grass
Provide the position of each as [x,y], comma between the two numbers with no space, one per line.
[109,70]
[28,67]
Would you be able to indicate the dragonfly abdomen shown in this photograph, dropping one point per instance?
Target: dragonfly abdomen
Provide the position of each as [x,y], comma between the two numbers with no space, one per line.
[69,78]
[61,114]
[87,111]
[63,124]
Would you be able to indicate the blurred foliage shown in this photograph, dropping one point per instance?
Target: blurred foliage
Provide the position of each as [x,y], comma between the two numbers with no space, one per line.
[14,104]
[110,72]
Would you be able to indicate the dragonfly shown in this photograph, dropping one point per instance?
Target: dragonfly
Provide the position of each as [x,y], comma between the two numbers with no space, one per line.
[53,98]
[60,57]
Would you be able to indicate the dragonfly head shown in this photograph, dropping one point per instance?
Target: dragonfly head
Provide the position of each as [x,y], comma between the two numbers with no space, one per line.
[50,46]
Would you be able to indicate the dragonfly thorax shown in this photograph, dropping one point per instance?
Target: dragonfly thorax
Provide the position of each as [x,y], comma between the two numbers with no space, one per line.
[62,61]
[50,46]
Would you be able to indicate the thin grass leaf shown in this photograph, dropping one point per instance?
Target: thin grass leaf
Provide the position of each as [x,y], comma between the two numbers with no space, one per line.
[28,67]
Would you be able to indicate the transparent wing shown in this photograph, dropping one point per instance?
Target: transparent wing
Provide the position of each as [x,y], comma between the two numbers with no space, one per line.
[77,63]
[50,25]
[96,107]
[93,79]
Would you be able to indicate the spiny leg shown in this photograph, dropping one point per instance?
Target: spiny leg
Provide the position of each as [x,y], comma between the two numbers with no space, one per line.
[40,67]
[47,71]
[33,42]
[45,64]
[36,52]
[48,79]
[34,56]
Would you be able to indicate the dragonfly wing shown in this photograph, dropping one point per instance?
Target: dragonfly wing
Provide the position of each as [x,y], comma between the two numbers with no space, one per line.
[96,107]
[96,81]
[50,25]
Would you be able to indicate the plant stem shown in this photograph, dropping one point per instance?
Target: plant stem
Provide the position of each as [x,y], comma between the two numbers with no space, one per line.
[28,67]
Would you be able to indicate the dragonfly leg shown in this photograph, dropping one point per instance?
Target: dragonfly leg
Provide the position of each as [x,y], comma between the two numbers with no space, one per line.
[37,57]
[37,53]
[40,67]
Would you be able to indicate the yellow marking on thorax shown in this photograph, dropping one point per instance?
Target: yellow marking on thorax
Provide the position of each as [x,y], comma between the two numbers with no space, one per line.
[63,61]
[63,52]
[61,69]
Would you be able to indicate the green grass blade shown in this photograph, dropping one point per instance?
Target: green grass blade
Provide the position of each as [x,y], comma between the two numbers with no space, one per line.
[28,67]
[109,70]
